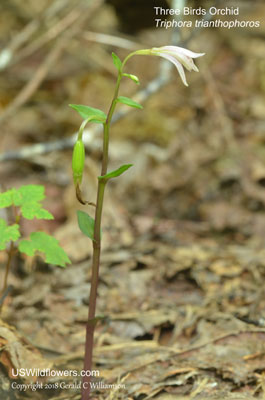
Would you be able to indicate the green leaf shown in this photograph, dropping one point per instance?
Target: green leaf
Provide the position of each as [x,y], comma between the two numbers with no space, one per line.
[116,173]
[7,198]
[86,224]
[29,194]
[46,244]
[133,78]
[129,102]
[29,197]
[35,210]
[8,233]
[116,61]
[94,114]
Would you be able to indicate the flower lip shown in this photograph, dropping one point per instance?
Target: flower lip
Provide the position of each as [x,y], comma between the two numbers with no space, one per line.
[179,57]
[177,65]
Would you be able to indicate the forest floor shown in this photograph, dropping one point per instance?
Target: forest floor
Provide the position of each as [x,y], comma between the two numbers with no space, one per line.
[181,290]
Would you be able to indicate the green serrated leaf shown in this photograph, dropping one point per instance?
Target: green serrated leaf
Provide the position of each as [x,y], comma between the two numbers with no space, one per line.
[134,78]
[35,210]
[116,173]
[129,102]
[7,198]
[28,198]
[86,224]
[46,244]
[94,114]
[24,195]
[29,194]
[116,61]
[7,233]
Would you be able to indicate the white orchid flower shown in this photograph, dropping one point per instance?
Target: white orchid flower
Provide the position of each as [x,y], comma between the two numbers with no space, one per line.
[179,57]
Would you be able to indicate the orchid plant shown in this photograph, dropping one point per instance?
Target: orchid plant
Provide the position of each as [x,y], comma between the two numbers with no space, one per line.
[91,227]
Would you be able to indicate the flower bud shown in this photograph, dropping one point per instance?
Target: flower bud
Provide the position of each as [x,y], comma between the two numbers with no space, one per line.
[78,161]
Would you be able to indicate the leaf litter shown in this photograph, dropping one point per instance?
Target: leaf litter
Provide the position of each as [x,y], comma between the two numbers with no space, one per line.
[181,297]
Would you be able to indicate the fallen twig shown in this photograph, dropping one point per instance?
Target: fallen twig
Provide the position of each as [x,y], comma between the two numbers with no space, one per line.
[28,90]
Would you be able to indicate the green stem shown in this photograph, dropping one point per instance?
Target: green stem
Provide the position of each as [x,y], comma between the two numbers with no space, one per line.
[90,328]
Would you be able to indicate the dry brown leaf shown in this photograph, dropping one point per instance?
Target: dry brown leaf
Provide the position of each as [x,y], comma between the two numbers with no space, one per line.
[16,353]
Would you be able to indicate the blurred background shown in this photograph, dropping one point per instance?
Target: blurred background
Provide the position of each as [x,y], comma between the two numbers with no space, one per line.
[186,222]
[201,147]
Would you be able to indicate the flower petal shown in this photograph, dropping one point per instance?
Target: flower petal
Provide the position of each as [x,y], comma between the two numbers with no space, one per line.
[189,64]
[177,65]
[184,56]
[179,57]
[181,50]
[195,68]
